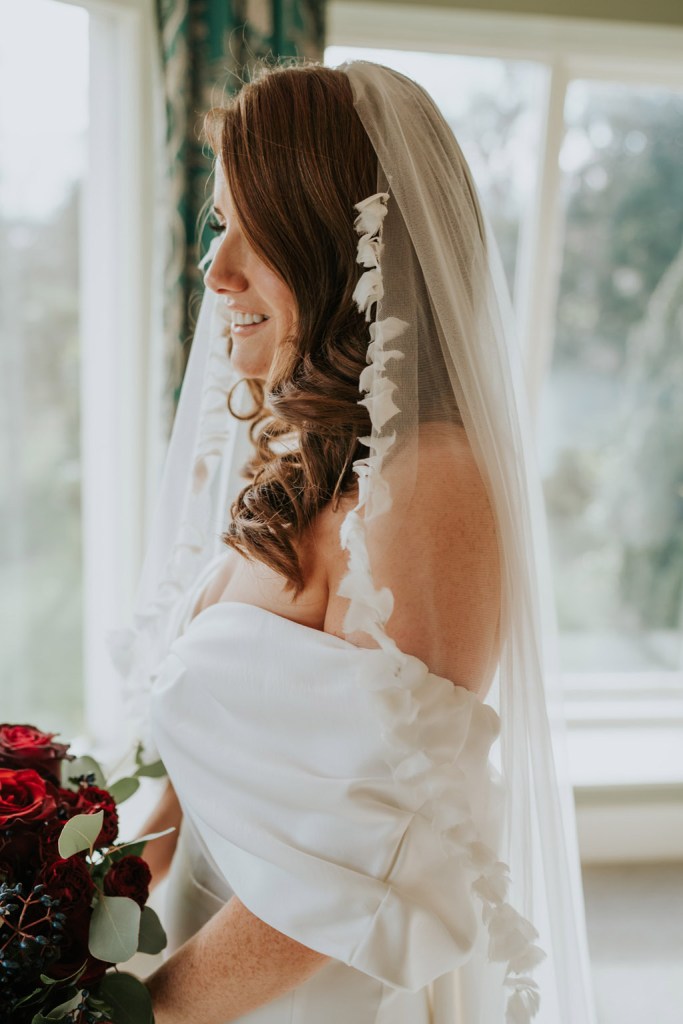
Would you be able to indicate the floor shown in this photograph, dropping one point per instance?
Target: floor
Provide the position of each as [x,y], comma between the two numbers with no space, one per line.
[635,932]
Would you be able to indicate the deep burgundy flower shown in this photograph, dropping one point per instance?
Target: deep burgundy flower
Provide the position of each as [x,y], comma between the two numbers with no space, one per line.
[25,746]
[129,876]
[69,880]
[25,797]
[74,952]
[92,799]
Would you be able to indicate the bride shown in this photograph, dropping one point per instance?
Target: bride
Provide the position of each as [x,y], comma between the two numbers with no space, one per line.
[327,669]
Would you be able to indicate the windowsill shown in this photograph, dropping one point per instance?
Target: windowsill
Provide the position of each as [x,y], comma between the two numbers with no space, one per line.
[626,761]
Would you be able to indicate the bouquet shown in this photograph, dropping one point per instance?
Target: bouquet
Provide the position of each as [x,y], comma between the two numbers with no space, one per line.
[72,898]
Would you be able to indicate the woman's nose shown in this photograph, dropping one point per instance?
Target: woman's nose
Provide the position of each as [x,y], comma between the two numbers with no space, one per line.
[226,273]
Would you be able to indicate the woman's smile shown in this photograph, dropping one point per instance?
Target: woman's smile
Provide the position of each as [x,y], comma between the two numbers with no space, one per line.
[244,324]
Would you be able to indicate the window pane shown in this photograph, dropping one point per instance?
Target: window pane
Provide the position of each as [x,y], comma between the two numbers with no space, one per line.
[492,107]
[44,61]
[611,428]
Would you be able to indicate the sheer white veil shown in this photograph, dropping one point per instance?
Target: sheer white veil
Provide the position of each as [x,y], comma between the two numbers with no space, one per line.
[442,350]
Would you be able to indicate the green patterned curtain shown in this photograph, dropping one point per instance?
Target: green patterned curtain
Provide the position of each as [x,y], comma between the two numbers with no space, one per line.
[206,45]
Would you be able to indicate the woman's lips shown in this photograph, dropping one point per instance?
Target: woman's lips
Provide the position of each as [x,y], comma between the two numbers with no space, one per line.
[245,329]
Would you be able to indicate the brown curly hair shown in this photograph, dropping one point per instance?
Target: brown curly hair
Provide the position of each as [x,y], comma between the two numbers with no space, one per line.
[296,159]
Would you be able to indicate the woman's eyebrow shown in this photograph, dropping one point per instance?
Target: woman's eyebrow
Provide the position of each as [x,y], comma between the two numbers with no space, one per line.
[215,208]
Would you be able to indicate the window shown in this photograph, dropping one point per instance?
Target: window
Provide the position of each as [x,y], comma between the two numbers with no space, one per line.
[81,199]
[43,157]
[572,130]
[612,433]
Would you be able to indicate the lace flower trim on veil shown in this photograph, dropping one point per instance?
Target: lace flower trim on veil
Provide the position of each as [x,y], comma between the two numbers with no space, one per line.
[511,936]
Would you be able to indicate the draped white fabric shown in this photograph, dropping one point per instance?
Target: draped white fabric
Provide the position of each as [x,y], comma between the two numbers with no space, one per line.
[269,731]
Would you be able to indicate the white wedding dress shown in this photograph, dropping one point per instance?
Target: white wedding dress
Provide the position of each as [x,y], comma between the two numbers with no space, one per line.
[346,809]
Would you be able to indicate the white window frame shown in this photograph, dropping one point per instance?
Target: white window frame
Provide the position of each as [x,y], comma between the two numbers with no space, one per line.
[625,811]
[122,249]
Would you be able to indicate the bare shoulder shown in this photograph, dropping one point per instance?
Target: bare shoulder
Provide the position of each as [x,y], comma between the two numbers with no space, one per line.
[438,553]
[219,581]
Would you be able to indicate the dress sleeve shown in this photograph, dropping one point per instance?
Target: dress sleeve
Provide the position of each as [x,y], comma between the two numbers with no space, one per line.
[347,807]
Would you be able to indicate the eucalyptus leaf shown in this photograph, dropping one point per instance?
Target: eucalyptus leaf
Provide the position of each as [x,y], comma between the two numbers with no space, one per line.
[147,838]
[132,849]
[114,928]
[123,788]
[84,765]
[47,980]
[128,997]
[40,1018]
[155,770]
[31,997]
[71,997]
[80,833]
[152,937]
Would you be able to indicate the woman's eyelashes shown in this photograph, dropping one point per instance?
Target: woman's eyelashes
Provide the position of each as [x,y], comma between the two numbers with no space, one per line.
[215,225]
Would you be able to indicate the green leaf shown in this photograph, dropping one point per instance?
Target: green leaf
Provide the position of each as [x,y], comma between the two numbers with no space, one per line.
[123,788]
[80,833]
[47,980]
[132,849]
[31,997]
[135,846]
[155,770]
[129,998]
[114,928]
[152,937]
[71,997]
[82,766]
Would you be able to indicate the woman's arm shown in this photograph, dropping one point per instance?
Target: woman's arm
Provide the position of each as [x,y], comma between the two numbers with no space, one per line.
[233,964]
[159,852]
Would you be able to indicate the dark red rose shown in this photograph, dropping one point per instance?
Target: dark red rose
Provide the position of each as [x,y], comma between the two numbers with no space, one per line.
[70,881]
[48,841]
[20,850]
[25,797]
[74,951]
[24,746]
[68,804]
[92,799]
[69,800]
[129,876]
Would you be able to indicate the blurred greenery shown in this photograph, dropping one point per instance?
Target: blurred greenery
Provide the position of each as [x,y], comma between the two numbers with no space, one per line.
[40,597]
[615,494]
[624,218]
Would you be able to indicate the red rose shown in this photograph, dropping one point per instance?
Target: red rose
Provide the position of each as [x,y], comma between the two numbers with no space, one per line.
[25,797]
[129,876]
[68,803]
[74,951]
[24,746]
[70,881]
[92,799]
[20,850]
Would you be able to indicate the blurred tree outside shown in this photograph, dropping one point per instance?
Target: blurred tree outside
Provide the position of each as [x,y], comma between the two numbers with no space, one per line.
[40,596]
[615,494]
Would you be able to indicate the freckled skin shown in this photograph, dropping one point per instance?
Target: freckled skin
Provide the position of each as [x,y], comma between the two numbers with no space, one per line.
[239,276]
[233,964]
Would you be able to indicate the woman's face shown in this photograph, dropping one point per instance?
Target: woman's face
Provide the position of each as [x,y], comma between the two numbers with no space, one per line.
[261,306]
